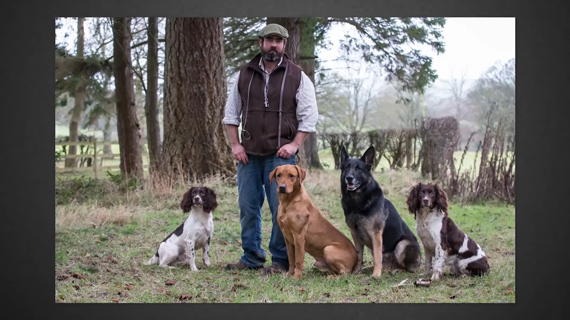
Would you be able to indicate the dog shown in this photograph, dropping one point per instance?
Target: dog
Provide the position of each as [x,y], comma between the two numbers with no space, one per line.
[441,238]
[180,246]
[306,229]
[373,220]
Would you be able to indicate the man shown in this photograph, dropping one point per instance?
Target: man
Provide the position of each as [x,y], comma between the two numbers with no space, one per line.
[277,104]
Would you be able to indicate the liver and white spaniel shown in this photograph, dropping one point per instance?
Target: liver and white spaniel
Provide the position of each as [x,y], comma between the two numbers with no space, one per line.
[441,238]
[180,246]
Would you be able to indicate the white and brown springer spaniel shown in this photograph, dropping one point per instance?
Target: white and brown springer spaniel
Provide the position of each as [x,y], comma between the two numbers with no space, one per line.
[179,247]
[441,238]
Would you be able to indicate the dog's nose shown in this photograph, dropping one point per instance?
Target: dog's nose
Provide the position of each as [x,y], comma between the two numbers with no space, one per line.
[425,201]
[282,188]
[349,178]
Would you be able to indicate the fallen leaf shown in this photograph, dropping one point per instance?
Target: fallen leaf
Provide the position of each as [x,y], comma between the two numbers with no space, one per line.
[76,287]
[327,295]
[508,291]
[128,286]
[87,255]
[116,300]
[238,286]
[62,276]
[78,276]
[301,289]
[236,279]
[185,297]
[170,282]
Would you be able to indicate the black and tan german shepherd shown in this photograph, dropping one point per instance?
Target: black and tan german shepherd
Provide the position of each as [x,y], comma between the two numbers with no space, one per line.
[373,220]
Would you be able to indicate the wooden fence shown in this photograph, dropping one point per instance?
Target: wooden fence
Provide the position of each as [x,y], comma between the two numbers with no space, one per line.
[93,150]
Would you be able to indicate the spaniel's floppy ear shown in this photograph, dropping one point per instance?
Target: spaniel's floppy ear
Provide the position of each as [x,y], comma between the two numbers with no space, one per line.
[210,201]
[272,175]
[186,204]
[413,200]
[440,199]
[302,173]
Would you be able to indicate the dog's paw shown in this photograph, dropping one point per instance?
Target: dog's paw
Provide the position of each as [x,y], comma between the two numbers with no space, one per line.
[435,276]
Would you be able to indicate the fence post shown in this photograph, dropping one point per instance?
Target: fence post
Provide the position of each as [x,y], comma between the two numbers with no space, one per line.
[95,156]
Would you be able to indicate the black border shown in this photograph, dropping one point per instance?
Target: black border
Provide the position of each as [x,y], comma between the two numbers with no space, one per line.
[27,187]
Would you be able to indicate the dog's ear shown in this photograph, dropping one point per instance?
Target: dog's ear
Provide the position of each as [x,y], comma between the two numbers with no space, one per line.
[440,199]
[186,203]
[413,199]
[272,175]
[343,155]
[210,201]
[302,173]
[368,157]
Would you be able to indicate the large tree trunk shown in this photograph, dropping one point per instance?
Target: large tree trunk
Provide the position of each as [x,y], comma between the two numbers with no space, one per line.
[128,127]
[151,103]
[307,59]
[195,94]
[79,97]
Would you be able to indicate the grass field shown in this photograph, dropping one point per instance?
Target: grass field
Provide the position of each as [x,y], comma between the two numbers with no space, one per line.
[103,237]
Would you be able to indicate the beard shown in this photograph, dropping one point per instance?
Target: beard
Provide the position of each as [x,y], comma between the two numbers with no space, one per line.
[271,55]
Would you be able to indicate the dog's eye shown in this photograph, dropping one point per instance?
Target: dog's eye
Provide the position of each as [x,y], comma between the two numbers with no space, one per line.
[279,175]
[291,176]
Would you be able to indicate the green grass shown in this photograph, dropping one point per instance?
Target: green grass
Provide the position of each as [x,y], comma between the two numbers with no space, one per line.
[102,242]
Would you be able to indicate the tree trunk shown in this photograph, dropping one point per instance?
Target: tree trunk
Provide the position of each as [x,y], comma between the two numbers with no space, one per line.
[151,102]
[79,97]
[128,128]
[107,149]
[307,59]
[195,94]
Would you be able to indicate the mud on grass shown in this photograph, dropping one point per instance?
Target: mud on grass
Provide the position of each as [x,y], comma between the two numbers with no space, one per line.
[103,262]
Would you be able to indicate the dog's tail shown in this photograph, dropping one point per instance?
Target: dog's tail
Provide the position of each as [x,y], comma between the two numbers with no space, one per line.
[153,260]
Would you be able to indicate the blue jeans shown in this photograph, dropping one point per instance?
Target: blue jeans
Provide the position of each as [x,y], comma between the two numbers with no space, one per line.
[253,185]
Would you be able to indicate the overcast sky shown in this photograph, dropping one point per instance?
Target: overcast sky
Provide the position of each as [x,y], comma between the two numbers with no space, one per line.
[472,45]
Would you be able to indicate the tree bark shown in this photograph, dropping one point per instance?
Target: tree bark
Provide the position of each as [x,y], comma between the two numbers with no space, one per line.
[79,97]
[307,31]
[151,102]
[128,127]
[195,144]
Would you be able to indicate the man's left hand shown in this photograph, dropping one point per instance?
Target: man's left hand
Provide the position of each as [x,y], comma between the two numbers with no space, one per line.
[287,150]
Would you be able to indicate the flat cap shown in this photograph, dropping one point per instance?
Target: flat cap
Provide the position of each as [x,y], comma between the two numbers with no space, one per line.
[274,29]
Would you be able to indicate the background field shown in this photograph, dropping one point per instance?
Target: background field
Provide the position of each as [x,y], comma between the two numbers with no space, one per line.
[103,236]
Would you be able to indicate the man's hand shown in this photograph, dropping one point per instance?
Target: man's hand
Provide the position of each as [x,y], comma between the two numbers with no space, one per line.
[239,153]
[288,150]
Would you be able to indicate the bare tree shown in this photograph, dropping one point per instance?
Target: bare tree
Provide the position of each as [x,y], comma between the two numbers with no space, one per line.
[128,127]
[195,93]
[79,96]
[151,102]
[349,102]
